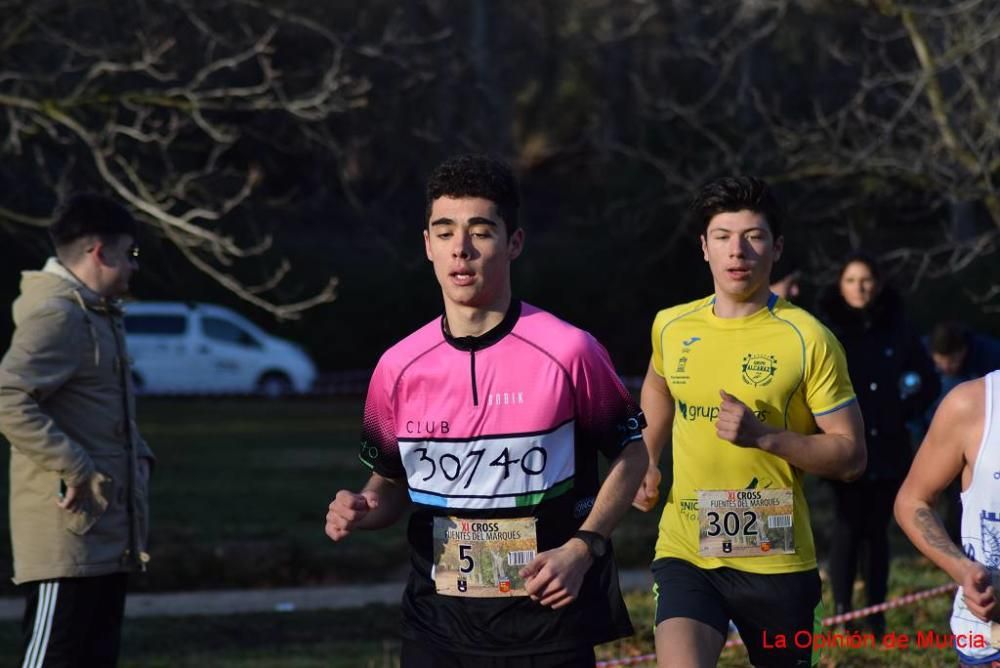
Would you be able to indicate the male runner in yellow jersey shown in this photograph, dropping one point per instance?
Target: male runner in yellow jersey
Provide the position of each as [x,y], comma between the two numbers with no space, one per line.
[749,392]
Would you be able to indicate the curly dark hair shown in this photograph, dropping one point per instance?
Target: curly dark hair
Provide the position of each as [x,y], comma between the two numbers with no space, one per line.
[477,176]
[737,193]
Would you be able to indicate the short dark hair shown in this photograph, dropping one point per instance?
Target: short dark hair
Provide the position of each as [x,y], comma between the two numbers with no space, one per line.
[730,194]
[477,176]
[90,214]
[948,338]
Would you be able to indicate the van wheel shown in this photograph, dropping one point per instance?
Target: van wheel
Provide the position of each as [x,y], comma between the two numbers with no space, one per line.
[274,385]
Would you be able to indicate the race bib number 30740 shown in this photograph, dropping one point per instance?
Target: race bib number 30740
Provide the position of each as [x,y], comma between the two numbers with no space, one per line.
[745,522]
[482,558]
[490,473]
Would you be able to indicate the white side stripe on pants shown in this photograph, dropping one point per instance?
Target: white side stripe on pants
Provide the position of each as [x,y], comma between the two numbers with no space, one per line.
[35,656]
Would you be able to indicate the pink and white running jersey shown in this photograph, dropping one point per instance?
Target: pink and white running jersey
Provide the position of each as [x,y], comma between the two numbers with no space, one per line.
[507,424]
[496,421]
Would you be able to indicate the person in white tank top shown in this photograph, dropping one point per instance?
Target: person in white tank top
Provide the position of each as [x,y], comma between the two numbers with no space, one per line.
[963,440]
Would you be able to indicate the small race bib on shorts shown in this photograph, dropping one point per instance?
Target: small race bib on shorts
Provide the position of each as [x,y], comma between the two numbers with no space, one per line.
[745,522]
[482,558]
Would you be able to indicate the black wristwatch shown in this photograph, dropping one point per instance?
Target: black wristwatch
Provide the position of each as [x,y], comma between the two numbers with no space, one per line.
[597,544]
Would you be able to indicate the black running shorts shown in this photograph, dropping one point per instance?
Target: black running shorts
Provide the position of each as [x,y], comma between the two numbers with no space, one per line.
[417,654]
[764,608]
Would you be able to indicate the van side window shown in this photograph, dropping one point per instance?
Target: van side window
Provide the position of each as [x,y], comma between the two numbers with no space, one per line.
[225,331]
[169,325]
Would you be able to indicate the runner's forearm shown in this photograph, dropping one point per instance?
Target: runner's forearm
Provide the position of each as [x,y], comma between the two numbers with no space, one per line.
[658,432]
[828,455]
[618,489]
[658,408]
[924,528]
[394,499]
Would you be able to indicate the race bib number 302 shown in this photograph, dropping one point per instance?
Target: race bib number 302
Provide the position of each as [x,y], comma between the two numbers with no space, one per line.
[745,522]
[482,558]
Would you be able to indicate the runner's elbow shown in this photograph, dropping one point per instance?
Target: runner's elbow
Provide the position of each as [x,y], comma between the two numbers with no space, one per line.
[899,510]
[856,464]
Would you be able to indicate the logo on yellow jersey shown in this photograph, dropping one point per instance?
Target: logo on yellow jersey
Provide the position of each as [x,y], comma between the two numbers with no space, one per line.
[758,370]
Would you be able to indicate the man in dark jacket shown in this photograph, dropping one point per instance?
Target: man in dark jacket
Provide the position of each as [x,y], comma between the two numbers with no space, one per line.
[79,470]
[960,354]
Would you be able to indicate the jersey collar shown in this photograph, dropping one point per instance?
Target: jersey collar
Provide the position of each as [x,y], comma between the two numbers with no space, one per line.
[486,340]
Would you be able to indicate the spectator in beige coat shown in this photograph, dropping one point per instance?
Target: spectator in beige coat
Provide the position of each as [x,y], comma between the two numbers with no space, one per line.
[79,469]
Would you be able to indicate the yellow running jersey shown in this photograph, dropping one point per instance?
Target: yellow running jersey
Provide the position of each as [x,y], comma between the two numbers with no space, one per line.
[784,365]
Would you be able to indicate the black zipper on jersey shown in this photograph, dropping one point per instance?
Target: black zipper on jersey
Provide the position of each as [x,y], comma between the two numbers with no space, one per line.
[471,344]
[472,367]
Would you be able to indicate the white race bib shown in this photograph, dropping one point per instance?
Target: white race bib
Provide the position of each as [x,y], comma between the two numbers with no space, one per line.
[482,558]
[745,522]
[490,472]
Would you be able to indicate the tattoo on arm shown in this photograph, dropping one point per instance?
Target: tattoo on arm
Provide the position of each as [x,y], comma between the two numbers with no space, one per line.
[934,533]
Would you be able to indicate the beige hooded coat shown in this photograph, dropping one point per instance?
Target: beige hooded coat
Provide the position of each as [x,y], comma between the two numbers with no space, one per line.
[67,408]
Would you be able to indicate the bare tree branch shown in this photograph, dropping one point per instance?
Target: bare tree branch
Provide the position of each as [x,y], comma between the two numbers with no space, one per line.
[160,110]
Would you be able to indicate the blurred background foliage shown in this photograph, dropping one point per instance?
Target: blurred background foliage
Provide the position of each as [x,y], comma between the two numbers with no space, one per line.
[277,150]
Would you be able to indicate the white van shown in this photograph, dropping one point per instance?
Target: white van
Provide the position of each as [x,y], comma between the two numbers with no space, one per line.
[194,348]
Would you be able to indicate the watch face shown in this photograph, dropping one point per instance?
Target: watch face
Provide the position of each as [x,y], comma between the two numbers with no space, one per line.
[598,546]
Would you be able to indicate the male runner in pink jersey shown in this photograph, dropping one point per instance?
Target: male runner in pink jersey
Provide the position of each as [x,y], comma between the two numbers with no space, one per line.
[963,440]
[487,422]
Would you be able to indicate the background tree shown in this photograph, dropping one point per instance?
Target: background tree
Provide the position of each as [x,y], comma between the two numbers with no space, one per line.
[176,108]
[291,140]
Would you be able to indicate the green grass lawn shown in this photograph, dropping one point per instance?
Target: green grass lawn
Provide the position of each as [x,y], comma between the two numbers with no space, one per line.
[368,637]
[240,493]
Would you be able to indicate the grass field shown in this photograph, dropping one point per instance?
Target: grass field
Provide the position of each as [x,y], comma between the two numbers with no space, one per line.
[239,497]
[367,638]
[240,493]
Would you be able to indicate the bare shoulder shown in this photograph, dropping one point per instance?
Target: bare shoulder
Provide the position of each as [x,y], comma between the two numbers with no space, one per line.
[960,417]
[965,402]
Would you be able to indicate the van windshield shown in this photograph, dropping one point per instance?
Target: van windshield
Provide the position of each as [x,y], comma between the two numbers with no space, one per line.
[169,325]
[225,331]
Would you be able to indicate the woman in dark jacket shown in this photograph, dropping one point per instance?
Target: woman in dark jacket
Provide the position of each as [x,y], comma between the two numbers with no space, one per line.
[895,381]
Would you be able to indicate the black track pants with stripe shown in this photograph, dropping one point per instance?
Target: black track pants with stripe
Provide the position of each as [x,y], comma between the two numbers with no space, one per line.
[73,622]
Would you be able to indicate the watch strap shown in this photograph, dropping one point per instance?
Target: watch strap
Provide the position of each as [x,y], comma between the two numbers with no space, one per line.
[597,544]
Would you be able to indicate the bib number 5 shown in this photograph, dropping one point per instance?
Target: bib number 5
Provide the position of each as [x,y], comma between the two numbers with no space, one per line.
[463,555]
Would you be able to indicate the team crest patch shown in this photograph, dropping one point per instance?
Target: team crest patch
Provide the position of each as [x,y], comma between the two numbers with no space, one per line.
[758,370]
